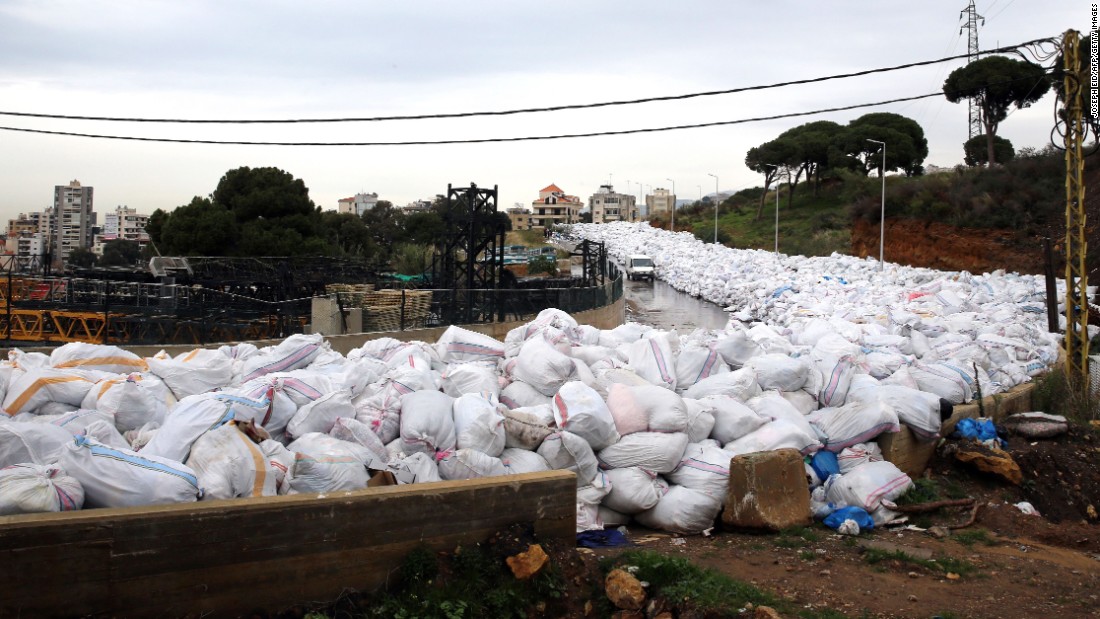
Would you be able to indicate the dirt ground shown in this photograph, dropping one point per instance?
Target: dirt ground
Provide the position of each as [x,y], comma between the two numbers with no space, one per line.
[1010,565]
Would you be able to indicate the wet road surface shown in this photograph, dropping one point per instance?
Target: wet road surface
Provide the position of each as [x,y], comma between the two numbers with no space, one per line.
[659,305]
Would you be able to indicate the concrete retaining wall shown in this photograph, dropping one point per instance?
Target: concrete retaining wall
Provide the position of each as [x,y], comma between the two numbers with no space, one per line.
[607,317]
[227,558]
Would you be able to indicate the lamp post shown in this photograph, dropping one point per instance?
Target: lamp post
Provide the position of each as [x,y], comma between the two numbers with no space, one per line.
[641,195]
[715,206]
[882,217]
[672,225]
[772,165]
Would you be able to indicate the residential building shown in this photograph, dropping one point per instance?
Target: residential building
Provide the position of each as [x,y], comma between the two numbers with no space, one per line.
[71,220]
[554,206]
[359,203]
[124,223]
[520,217]
[417,206]
[659,203]
[607,205]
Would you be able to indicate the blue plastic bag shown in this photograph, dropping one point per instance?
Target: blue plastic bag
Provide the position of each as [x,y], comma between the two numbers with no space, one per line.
[824,464]
[860,515]
[983,430]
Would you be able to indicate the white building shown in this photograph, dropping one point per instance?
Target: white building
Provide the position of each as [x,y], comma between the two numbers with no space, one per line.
[71,220]
[660,202]
[359,203]
[606,205]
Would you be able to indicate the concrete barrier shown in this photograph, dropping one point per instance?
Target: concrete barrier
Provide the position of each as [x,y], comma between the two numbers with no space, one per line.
[912,456]
[606,317]
[227,558]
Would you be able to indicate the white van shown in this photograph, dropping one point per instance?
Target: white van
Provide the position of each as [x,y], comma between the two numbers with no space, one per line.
[639,266]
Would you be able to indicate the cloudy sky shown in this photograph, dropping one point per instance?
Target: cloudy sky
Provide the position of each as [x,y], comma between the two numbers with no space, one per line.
[279,59]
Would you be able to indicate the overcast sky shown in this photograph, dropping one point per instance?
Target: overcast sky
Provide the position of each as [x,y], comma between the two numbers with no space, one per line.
[324,59]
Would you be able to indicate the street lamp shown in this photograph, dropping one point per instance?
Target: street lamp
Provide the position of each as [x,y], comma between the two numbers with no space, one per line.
[715,206]
[772,165]
[672,225]
[882,218]
[641,195]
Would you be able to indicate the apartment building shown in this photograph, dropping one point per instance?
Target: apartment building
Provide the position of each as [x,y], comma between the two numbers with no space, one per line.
[607,205]
[660,202]
[71,220]
[554,206]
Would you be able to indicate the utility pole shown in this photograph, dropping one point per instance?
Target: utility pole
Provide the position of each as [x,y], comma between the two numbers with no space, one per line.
[970,14]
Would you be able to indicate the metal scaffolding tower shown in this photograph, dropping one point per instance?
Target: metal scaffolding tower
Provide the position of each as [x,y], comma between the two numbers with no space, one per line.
[1077,338]
[970,14]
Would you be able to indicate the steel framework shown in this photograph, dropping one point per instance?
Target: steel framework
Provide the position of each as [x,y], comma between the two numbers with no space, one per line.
[972,17]
[1077,339]
[471,257]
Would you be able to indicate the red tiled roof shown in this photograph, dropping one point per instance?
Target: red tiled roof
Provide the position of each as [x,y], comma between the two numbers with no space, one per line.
[552,187]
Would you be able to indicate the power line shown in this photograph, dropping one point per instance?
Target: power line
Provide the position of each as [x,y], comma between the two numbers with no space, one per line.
[557,108]
[479,140]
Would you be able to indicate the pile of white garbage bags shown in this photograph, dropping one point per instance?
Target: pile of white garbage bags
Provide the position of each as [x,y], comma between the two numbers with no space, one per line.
[647,419]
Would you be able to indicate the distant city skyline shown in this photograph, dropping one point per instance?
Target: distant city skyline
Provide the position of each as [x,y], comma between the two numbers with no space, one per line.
[249,59]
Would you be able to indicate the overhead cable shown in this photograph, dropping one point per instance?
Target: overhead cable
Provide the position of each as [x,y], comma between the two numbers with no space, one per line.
[556,108]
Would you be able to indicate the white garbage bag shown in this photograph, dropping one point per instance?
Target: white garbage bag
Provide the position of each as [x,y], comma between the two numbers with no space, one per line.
[652,359]
[740,384]
[457,345]
[196,415]
[35,488]
[580,410]
[427,422]
[780,372]
[855,422]
[527,427]
[694,363]
[700,417]
[732,418]
[470,464]
[230,465]
[867,485]
[705,468]
[123,478]
[296,351]
[479,425]
[519,394]
[470,377]
[80,355]
[321,414]
[354,431]
[851,457]
[682,510]
[37,386]
[633,490]
[36,443]
[647,408]
[192,373]
[659,452]
[778,434]
[569,452]
[517,460]
[540,365]
[326,464]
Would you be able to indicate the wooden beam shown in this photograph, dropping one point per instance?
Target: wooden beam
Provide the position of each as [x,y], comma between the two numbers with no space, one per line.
[230,557]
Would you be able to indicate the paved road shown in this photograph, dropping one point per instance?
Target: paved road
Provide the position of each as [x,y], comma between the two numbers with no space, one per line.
[660,305]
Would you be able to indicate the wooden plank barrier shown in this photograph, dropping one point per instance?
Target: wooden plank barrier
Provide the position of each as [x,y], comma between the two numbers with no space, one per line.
[227,558]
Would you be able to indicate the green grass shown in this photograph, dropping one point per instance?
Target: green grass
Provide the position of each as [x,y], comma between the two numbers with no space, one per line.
[943,565]
[923,491]
[969,537]
[708,591]
[474,584]
[797,537]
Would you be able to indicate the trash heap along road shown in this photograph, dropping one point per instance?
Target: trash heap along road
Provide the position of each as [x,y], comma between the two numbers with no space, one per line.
[824,355]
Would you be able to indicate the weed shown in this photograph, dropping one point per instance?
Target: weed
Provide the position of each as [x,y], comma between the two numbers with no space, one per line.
[676,578]
[807,555]
[970,537]
[797,537]
[1055,394]
[923,491]
[943,565]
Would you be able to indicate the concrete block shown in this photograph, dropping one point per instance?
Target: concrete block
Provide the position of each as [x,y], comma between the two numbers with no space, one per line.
[906,452]
[767,490]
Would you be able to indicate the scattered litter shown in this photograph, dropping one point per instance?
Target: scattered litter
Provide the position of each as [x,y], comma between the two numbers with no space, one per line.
[1027,508]
[678,541]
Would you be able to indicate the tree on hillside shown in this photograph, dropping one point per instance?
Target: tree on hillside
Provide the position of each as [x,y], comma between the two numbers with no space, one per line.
[348,233]
[269,193]
[200,228]
[997,83]
[761,159]
[976,150]
[810,153]
[906,146]
[120,253]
